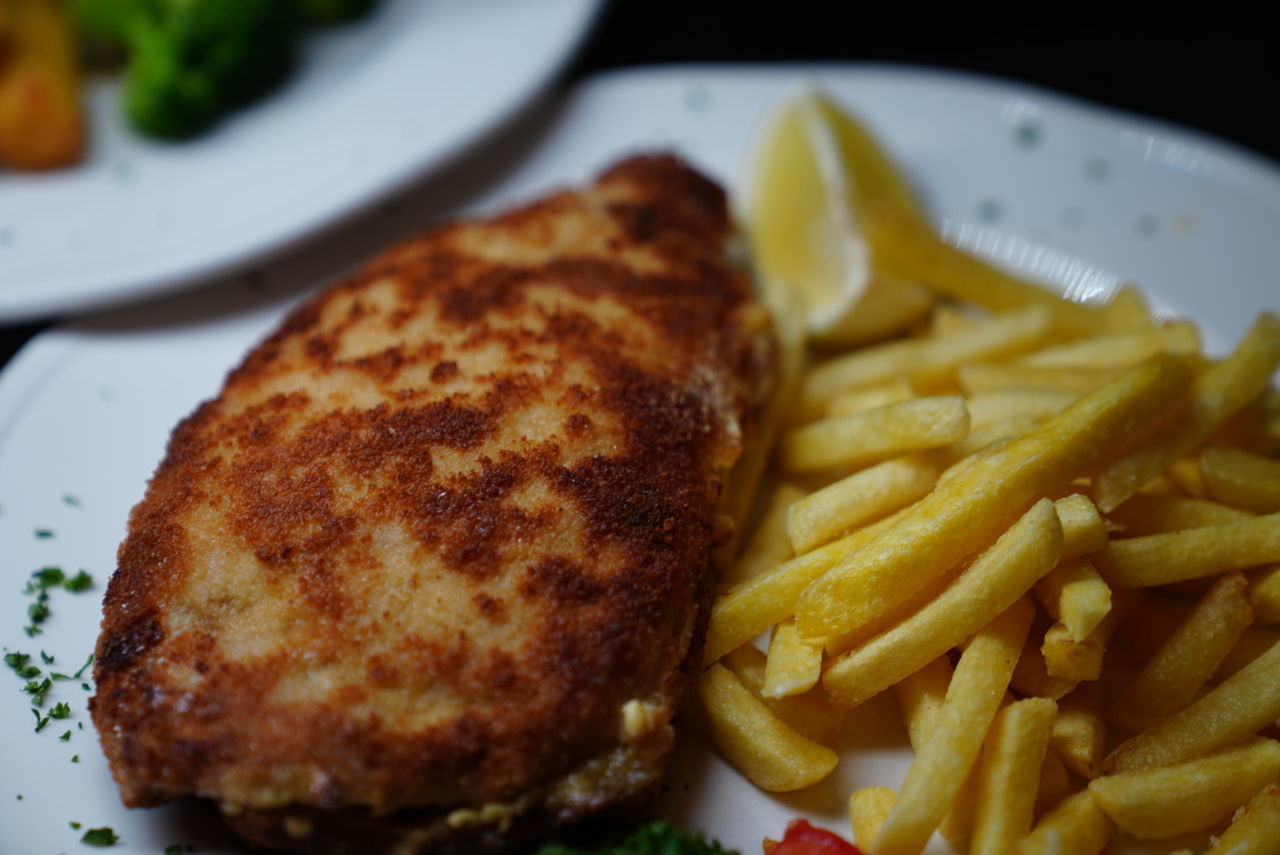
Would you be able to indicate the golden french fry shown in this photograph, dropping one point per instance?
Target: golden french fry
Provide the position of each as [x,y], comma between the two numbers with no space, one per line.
[769,545]
[794,664]
[947,318]
[759,603]
[941,765]
[868,809]
[907,248]
[1255,641]
[1075,595]
[1077,826]
[927,360]
[1217,395]
[920,695]
[860,498]
[1241,478]
[1264,591]
[995,581]
[1079,732]
[1010,773]
[810,714]
[1185,474]
[1002,376]
[1144,514]
[756,742]
[1054,785]
[1240,705]
[1083,529]
[1031,677]
[1255,829]
[1190,796]
[1127,309]
[966,511]
[982,442]
[1117,349]
[1077,661]
[987,408]
[870,397]
[1158,559]
[1188,659]
[888,305]
[874,435]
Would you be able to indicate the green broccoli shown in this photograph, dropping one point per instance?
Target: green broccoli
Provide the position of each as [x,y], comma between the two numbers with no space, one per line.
[651,838]
[189,62]
[192,61]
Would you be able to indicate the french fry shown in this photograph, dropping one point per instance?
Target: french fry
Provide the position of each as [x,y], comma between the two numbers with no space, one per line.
[1190,796]
[860,498]
[1054,786]
[1240,705]
[928,360]
[1077,826]
[912,250]
[1264,591]
[1144,514]
[1079,732]
[1083,529]
[967,510]
[1159,559]
[986,408]
[995,581]
[870,397]
[1217,395]
[1127,309]
[868,809]
[947,318]
[1117,349]
[759,603]
[1188,659]
[1075,595]
[888,305]
[810,714]
[1255,641]
[794,664]
[1185,474]
[920,695]
[1255,829]
[940,767]
[756,742]
[1010,773]
[1002,376]
[986,440]
[1077,661]
[873,435]
[1031,677]
[769,545]
[1241,478]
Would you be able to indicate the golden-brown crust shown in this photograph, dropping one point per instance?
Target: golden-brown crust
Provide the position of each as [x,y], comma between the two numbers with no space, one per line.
[443,523]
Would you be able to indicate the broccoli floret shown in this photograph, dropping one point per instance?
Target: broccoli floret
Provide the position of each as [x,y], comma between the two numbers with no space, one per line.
[191,61]
[651,838]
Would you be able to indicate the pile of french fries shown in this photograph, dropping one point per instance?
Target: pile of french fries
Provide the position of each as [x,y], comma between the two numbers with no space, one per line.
[1051,531]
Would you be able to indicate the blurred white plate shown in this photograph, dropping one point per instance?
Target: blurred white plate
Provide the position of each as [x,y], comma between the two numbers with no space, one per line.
[1084,197]
[373,104]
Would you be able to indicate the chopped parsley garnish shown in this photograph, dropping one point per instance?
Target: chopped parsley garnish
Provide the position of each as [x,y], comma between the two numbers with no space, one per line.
[66,737]
[100,837]
[41,721]
[86,664]
[73,501]
[60,711]
[44,533]
[18,663]
[82,581]
[75,758]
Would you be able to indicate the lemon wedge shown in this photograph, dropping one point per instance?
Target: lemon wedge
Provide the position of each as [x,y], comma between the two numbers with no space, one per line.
[802,207]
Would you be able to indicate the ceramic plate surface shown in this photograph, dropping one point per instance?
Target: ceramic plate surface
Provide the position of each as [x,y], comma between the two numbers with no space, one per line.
[373,104]
[1078,196]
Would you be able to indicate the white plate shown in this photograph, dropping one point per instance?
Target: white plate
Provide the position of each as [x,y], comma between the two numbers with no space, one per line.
[373,104]
[1050,186]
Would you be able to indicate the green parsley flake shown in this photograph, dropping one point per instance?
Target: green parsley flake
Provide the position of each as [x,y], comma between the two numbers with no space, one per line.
[86,664]
[75,758]
[100,837]
[46,658]
[66,737]
[73,501]
[60,710]
[44,533]
[74,825]
[78,583]
[41,721]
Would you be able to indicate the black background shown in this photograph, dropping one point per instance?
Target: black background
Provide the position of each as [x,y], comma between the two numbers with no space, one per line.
[1204,66]
[1201,65]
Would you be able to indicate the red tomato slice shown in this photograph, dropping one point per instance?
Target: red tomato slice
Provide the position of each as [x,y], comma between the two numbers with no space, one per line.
[803,839]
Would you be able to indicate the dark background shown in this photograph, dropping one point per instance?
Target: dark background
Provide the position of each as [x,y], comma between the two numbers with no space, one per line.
[1203,66]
